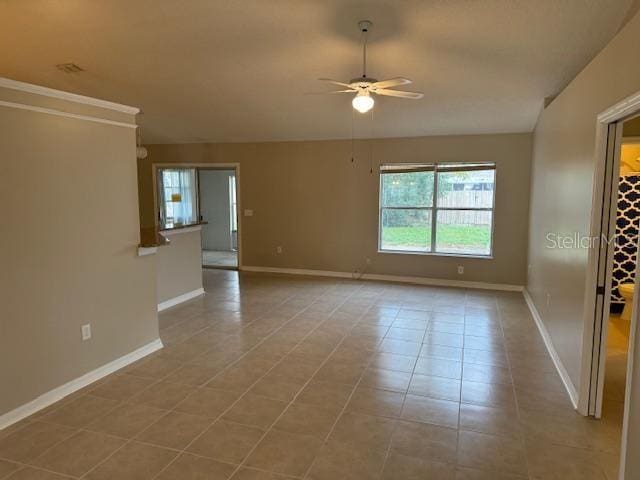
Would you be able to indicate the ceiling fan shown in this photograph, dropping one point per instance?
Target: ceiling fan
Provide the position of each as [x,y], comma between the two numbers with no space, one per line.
[364,86]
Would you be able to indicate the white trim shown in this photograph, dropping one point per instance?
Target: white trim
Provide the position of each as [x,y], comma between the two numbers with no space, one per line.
[176,231]
[621,109]
[60,113]
[62,391]
[143,251]
[562,371]
[179,299]
[71,97]
[387,278]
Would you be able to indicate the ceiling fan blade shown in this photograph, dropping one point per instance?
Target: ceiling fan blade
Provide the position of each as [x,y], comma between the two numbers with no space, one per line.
[392,82]
[331,91]
[335,82]
[400,94]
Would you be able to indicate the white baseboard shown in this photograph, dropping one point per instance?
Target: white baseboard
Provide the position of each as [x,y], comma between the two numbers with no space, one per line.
[562,371]
[388,278]
[179,299]
[62,391]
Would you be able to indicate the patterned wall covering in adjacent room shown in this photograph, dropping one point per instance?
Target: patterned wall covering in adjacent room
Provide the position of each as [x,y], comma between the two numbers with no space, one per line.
[624,262]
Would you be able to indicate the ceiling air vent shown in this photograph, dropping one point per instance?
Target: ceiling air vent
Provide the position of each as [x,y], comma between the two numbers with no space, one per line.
[69,68]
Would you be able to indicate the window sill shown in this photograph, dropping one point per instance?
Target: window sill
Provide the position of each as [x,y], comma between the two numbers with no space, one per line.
[435,254]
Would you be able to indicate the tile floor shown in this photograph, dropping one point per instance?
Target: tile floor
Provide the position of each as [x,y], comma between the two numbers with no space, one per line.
[219,259]
[274,378]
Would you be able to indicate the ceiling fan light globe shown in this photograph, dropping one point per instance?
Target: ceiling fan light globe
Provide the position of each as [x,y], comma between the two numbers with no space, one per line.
[362,102]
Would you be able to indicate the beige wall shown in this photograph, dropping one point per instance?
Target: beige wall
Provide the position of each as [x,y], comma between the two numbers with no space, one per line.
[322,209]
[179,264]
[563,165]
[70,232]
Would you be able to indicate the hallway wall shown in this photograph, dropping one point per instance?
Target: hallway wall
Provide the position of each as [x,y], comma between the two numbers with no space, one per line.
[561,189]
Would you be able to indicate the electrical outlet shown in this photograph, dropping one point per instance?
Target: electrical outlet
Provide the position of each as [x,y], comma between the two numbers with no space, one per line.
[279,249]
[368,260]
[548,299]
[460,269]
[248,212]
[86,332]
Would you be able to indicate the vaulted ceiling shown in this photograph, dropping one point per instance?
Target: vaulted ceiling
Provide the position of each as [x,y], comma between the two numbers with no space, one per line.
[242,70]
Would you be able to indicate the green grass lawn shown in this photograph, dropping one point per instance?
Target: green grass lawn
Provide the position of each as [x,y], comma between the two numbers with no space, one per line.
[449,236]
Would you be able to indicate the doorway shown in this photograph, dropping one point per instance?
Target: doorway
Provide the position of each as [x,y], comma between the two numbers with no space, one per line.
[219,213]
[609,386]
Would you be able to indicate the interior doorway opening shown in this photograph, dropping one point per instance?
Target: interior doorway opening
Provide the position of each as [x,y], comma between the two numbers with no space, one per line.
[219,213]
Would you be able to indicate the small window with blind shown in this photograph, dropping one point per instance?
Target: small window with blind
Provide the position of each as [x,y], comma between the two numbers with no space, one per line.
[443,208]
[178,197]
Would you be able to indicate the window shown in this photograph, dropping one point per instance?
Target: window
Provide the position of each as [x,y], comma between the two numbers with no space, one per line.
[233,211]
[437,208]
[178,196]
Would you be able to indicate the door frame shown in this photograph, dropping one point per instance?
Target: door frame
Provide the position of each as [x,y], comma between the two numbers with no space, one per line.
[206,166]
[593,356]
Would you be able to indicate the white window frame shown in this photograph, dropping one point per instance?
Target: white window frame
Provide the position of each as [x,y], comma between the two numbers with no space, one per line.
[436,168]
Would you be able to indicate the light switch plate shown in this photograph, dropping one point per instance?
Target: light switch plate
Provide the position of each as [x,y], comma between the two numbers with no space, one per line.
[86,332]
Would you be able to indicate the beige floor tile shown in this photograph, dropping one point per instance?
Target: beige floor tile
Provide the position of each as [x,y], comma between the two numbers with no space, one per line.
[556,462]
[325,394]
[7,467]
[32,440]
[386,379]
[174,430]
[439,367]
[164,395]
[444,339]
[405,334]
[441,351]
[192,374]
[401,467]
[490,452]
[251,474]
[347,373]
[486,373]
[284,452]
[78,454]
[464,473]
[29,473]
[391,361]
[132,462]
[276,387]
[82,411]
[491,395]
[207,402]
[484,357]
[435,387]
[446,327]
[191,467]
[372,401]
[255,410]
[363,430]
[425,441]
[306,419]
[400,347]
[126,420]
[496,421]
[337,462]
[431,410]
[121,387]
[227,441]
[157,367]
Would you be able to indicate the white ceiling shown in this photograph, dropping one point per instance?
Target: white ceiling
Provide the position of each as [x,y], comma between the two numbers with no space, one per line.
[240,70]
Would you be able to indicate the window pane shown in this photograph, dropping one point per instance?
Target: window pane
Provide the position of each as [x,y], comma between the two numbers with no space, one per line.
[180,196]
[406,229]
[407,189]
[463,231]
[472,189]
